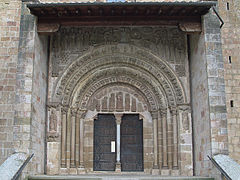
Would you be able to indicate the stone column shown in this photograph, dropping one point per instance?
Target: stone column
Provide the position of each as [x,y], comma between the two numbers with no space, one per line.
[164,130]
[170,138]
[77,143]
[63,137]
[68,141]
[81,114]
[73,136]
[175,137]
[118,160]
[155,170]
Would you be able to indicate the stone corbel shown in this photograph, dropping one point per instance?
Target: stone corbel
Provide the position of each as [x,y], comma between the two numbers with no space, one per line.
[47,28]
[190,27]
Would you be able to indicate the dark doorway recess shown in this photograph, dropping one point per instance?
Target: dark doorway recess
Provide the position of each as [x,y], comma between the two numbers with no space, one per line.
[104,133]
[131,143]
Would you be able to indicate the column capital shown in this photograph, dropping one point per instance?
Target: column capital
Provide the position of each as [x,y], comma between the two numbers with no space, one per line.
[53,104]
[74,110]
[154,114]
[173,110]
[65,108]
[81,113]
[163,111]
[184,107]
[118,118]
[141,117]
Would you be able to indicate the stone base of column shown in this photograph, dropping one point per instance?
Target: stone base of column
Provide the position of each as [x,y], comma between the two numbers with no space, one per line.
[155,171]
[118,167]
[81,170]
[165,172]
[73,171]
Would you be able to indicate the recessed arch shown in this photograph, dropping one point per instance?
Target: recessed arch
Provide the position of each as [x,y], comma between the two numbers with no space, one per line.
[113,54]
[139,76]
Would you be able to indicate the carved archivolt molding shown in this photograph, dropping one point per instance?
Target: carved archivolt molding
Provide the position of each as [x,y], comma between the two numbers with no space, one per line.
[85,92]
[134,59]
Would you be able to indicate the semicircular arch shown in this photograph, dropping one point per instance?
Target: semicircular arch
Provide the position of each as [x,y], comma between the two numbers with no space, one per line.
[94,60]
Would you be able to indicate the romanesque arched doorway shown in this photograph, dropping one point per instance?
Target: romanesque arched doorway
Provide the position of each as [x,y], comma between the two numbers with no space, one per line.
[117,81]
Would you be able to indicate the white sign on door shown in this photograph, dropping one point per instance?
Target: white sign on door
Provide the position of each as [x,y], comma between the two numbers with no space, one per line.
[112,146]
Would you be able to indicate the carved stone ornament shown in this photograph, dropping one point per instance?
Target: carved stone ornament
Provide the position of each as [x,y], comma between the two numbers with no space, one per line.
[185,121]
[53,120]
[148,66]
[167,43]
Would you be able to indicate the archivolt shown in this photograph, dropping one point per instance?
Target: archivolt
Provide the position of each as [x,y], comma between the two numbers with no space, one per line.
[147,68]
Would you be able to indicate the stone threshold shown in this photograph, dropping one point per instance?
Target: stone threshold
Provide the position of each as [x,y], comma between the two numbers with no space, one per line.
[129,176]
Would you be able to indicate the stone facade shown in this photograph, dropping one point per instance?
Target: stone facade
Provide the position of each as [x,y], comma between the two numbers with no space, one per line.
[10,11]
[229,11]
[180,85]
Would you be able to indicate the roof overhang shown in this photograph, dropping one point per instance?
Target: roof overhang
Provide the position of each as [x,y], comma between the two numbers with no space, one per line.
[120,13]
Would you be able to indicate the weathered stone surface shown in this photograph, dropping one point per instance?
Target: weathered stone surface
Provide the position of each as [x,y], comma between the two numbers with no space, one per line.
[228,165]
[11,166]
[230,47]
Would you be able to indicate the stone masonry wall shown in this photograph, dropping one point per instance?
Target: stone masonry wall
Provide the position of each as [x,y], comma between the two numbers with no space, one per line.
[39,98]
[9,37]
[200,111]
[209,119]
[230,13]
[216,85]
[30,109]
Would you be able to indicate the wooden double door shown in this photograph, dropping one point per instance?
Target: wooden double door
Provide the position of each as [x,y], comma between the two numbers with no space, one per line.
[131,143]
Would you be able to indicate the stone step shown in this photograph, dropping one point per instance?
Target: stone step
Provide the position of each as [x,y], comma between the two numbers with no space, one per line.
[116,177]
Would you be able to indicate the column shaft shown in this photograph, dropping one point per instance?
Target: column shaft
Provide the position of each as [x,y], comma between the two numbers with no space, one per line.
[155,139]
[118,143]
[164,130]
[63,139]
[73,121]
[175,140]
[81,142]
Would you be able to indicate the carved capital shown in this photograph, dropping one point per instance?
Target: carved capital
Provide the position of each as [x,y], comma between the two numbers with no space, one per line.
[74,111]
[163,112]
[173,110]
[81,113]
[154,114]
[141,117]
[185,108]
[53,105]
[118,118]
[53,137]
[64,109]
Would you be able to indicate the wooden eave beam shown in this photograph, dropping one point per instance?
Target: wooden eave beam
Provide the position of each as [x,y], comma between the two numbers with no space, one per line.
[184,15]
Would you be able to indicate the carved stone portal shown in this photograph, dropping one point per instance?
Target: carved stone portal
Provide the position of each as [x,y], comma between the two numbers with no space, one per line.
[123,71]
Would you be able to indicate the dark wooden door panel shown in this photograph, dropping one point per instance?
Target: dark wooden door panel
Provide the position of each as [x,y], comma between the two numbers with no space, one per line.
[131,143]
[104,133]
